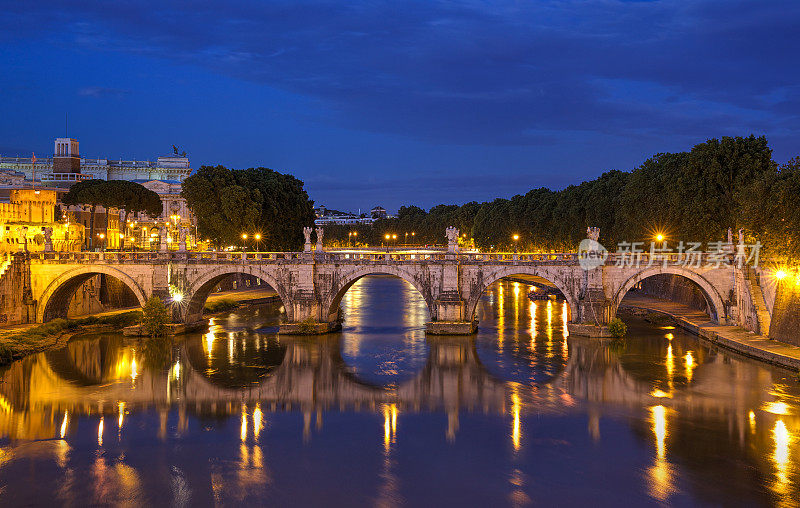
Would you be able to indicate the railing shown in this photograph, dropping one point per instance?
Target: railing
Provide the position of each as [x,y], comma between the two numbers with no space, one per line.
[696,260]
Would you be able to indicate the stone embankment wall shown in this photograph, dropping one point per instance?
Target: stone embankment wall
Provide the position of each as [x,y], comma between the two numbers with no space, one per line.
[675,289]
[785,325]
[12,281]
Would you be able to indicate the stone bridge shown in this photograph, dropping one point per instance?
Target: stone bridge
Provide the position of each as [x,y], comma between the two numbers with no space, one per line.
[311,284]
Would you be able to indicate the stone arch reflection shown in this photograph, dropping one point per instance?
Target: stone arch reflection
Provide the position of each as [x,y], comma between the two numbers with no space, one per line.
[234,360]
[383,334]
[522,338]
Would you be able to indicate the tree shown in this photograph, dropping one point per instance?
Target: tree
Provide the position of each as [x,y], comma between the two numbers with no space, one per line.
[86,192]
[230,202]
[154,317]
[122,194]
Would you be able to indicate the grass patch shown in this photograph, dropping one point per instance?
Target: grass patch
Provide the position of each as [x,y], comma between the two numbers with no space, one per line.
[221,305]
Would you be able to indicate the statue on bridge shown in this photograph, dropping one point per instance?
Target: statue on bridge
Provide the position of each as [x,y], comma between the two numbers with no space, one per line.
[182,245]
[593,233]
[320,232]
[452,239]
[47,232]
[307,233]
[162,235]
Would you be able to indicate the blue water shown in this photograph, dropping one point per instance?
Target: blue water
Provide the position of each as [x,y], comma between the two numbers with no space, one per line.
[380,415]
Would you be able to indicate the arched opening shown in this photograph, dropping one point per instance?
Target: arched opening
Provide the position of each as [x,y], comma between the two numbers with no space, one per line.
[382,339]
[224,286]
[522,328]
[687,290]
[87,291]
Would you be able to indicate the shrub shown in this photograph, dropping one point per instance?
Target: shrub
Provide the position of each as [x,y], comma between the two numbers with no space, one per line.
[308,326]
[617,328]
[154,317]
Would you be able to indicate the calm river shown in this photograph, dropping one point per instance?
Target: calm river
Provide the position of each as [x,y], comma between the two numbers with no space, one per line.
[518,414]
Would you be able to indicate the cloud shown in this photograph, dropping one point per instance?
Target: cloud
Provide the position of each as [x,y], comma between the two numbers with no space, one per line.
[99,91]
[475,72]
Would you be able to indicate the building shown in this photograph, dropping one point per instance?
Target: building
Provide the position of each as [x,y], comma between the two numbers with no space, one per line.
[67,167]
[378,212]
[111,229]
[27,222]
[328,217]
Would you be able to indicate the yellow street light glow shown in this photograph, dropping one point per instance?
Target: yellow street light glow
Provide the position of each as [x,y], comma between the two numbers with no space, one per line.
[516,237]
[258,236]
[780,274]
[660,237]
[177,297]
[394,237]
[244,236]
[387,236]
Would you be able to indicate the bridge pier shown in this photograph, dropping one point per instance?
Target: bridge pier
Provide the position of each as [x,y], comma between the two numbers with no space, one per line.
[450,316]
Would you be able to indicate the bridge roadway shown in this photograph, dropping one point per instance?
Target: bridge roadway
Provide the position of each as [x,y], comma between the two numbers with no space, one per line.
[312,284]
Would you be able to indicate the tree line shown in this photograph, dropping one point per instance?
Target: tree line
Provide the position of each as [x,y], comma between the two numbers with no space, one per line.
[693,196]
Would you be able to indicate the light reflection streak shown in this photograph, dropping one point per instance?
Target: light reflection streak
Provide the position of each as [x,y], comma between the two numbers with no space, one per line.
[670,364]
[134,370]
[689,359]
[389,425]
[100,433]
[64,425]
[515,425]
[781,457]
[660,473]
[243,431]
[258,422]
[121,407]
[532,310]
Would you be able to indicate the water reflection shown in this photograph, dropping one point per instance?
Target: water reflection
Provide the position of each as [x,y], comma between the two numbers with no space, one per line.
[226,416]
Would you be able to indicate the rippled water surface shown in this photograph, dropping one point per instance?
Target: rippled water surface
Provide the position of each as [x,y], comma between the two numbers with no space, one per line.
[378,414]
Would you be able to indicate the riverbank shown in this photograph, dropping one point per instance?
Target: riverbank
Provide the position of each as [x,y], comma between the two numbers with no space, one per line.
[730,337]
[19,341]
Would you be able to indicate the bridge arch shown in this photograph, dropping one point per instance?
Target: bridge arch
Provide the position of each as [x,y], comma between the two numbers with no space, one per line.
[712,296]
[54,301]
[200,288]
[347,279]
[494,276]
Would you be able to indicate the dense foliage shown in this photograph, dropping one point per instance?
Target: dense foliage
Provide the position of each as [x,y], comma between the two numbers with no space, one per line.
[129,197]
[692,196]
[154,317]
[230,202]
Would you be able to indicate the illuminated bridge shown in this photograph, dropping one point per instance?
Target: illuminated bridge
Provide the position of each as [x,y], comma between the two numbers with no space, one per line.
[311,285]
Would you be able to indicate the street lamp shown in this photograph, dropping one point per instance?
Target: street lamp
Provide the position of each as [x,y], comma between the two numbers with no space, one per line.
[516,239]
[388,237]
[244,242]
[258,242]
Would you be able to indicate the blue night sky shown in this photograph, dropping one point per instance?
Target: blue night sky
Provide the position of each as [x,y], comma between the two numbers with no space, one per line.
[401,102]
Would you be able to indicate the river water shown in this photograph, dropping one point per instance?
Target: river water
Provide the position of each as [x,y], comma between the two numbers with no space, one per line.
[379,415]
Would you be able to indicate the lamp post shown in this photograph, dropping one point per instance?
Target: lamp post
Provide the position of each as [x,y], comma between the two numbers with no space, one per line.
[516,238]
[244,242]
[388,237]
[258,242]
